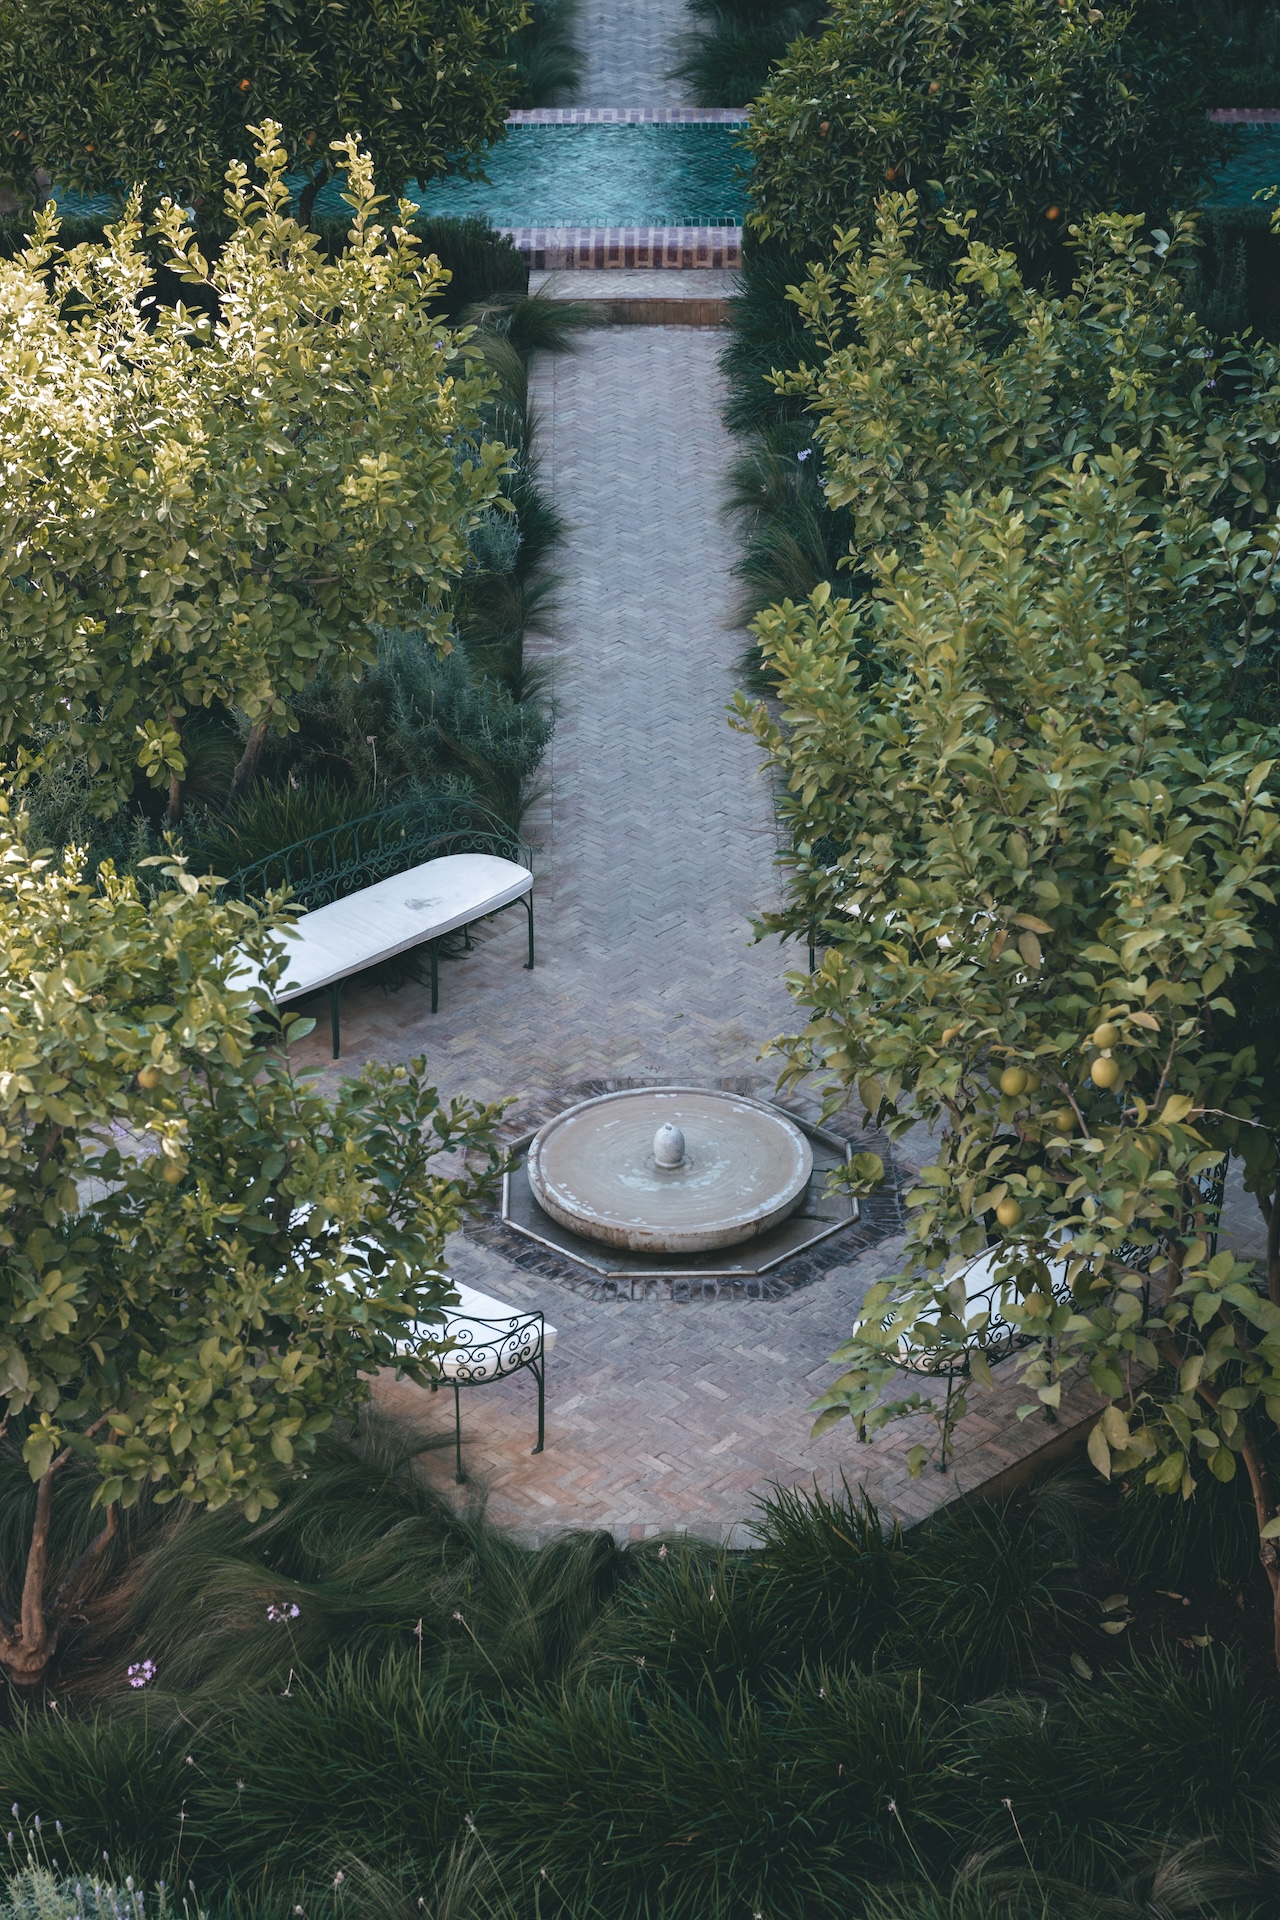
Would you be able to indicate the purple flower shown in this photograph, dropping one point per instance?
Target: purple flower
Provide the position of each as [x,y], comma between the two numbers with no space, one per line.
[142,1673]
[283,1610]
[804,453]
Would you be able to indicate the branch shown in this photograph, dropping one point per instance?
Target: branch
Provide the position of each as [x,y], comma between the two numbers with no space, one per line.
[69,1587]
[1255,1466]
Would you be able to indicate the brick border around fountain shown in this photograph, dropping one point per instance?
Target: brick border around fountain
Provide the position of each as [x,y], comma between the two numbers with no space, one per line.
[880,1214]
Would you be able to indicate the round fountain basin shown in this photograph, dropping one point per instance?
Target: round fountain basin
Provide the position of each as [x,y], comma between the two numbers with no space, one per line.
[593,1169]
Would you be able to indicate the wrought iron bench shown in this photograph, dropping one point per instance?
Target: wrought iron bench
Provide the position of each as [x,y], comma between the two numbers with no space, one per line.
[942,1347]
[384,885]
[491,1341]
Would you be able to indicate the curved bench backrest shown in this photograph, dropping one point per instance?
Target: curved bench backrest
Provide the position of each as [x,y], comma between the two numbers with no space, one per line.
[341,860]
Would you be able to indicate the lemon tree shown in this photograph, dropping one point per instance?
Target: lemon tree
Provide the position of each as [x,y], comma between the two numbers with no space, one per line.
[207,512]
[98,94]
[1033,113]
[1035,833]
[202,1261]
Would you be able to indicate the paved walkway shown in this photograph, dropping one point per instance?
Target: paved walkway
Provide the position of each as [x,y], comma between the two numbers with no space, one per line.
[655,844]
[630,50]
[655,830]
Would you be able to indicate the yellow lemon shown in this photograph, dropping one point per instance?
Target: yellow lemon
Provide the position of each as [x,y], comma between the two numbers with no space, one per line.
[1008,1213]
[1107,1035]
[150,1077]
[172,1171]
[1013,1081]
[1104,1073]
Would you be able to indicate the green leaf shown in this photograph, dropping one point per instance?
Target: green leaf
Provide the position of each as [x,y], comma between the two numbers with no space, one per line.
[831,1417]
[1099,1451]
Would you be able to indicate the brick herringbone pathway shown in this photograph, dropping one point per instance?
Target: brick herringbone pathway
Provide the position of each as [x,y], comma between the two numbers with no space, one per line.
[655,831]
[630,50]
[655,840]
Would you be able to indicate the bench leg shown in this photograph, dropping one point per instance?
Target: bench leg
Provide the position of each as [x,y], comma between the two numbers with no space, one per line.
[540,1374]
[334,992]
[435,975]
[528,907]
[457,1435]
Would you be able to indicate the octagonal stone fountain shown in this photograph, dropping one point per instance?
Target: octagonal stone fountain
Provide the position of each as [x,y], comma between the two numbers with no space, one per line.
[677,1183]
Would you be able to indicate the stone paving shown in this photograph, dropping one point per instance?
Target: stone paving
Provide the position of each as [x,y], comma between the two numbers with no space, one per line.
[640,296]
[630,51]
[655,834]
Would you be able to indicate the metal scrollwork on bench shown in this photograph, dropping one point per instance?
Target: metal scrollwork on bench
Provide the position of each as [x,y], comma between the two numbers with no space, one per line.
[490,1349]
[484,1349]
[942,1348]
[328,866]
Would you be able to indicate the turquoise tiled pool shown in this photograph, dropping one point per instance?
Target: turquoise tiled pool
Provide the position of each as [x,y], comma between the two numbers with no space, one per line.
[643,174]
[650,174]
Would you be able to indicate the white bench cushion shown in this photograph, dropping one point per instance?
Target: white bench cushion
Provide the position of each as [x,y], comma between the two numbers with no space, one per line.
[979,1276]
[426,901]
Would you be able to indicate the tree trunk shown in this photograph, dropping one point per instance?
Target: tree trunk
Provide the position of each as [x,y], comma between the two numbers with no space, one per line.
[1268,1550]
[1264,1510]
[1264,1503]
[247,766]
[28,1644]
[307,198]
[1270,1209]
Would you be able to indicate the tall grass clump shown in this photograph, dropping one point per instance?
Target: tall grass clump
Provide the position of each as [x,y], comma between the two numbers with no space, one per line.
[733,44]
[547,56]
[370,1700]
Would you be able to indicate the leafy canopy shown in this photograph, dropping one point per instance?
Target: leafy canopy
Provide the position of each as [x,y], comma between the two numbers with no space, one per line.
[105,96]
[207,513]
[202,1260]
[1035,837]
[1030,112]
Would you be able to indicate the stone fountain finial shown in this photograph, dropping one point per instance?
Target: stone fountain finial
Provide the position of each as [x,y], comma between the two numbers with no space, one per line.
[668,1146]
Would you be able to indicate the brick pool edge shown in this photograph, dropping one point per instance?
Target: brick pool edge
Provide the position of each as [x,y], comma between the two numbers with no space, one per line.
[671,247]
